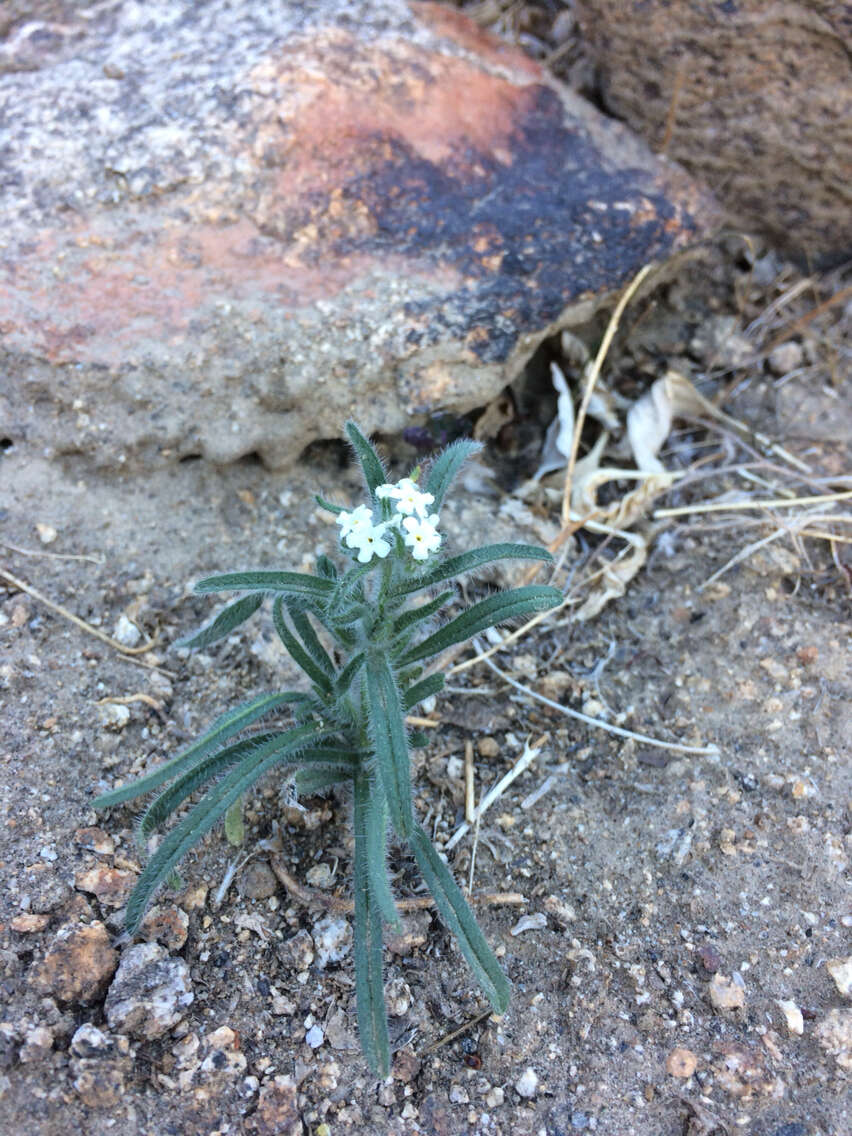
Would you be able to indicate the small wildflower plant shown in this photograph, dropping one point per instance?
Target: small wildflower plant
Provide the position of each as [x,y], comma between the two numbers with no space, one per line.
[362,636]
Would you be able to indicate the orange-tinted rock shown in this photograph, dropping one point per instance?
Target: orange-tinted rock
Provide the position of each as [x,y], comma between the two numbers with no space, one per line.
[267,218]
[78,965]
[753,98]
[111,886]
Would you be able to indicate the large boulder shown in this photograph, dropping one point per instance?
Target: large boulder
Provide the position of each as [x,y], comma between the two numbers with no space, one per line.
[755,99]
[230,225]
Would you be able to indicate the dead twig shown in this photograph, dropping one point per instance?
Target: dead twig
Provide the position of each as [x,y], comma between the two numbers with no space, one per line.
[53,555]
[453,1034]
[75,619]
[411,903]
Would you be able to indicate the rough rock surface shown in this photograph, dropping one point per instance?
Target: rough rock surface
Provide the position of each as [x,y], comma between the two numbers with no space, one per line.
[228,226]
[78,965]
[753,98]
[149,993]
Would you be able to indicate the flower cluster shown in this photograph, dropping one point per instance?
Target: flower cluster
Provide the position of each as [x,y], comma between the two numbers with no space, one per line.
[412,519]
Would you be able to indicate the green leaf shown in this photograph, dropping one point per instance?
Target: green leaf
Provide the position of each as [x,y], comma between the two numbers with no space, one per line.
[305,631]
[224,623]
[326,567]
[446,466]
[329,506]
[205,770]
[369,982]
[223,728]
[390,745]
[417,615]
[428,686]
[345,676]
[488,612]
[459,918]
[297,584]
[311,781]
[210,809]
[371,464]
[299,654]
[371,817]
[470,561]
[235,830]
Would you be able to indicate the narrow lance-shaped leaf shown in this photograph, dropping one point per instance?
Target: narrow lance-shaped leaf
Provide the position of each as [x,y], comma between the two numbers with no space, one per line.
[297,650]
[284,749]
[371,464]
[326,567]
[304,629]
[459,918]
[470,562]
[346,676]
[311,781]
[487,613]
[205,770]
[296,584]
[416,615]
[390,745]
[369,984]
[222,729]
[371,814]
[446,466]
[417,692]
[224,623]
[329,506]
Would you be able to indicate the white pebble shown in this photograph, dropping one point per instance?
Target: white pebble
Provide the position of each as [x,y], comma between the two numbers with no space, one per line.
[315,1037]
[526,1085]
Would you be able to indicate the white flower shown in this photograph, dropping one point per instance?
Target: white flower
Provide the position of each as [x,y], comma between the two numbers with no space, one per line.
[421,536]
[370,542]
[410,500]
[358,521]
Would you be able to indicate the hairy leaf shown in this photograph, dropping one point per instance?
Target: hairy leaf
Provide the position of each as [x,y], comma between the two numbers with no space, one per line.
[305,631]
[346,676]
[297,584]
[299,654]
[417,615]
[222,729]
[210,809]
[329,506]
[367,949]
[470,561]
[488,612]
[446,466]
[315,780]
[428,686]
[371,817]
[205,770]
[371,463]
[459,918]
[390,745]
[224,623]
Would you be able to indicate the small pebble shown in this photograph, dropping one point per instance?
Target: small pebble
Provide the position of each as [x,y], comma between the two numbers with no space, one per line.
[526,1085]
[840,970]
[46,533]
[792,1015]
[834,1034]
[315,1037]
[113,715]
[398,997]
[258,882]
[725,994]
[126,632]
[149,992]
[333,938]
[488,747]
[79,963]
[681,1063]
[785,358]
[111,886]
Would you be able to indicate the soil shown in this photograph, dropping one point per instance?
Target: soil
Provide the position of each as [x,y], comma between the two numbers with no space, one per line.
[670,902]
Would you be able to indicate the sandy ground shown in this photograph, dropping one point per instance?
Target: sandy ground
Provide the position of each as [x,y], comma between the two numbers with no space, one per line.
[671,950]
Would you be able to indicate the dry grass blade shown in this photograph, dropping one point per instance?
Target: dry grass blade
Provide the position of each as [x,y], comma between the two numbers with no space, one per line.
[777,503]
[607,727]
[75,619]
[592,378]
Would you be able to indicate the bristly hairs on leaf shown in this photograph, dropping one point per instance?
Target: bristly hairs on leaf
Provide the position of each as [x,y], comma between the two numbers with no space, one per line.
[350,727]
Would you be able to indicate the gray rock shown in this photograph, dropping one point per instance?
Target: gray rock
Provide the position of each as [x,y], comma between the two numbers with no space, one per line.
[149,992]
[228,226]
